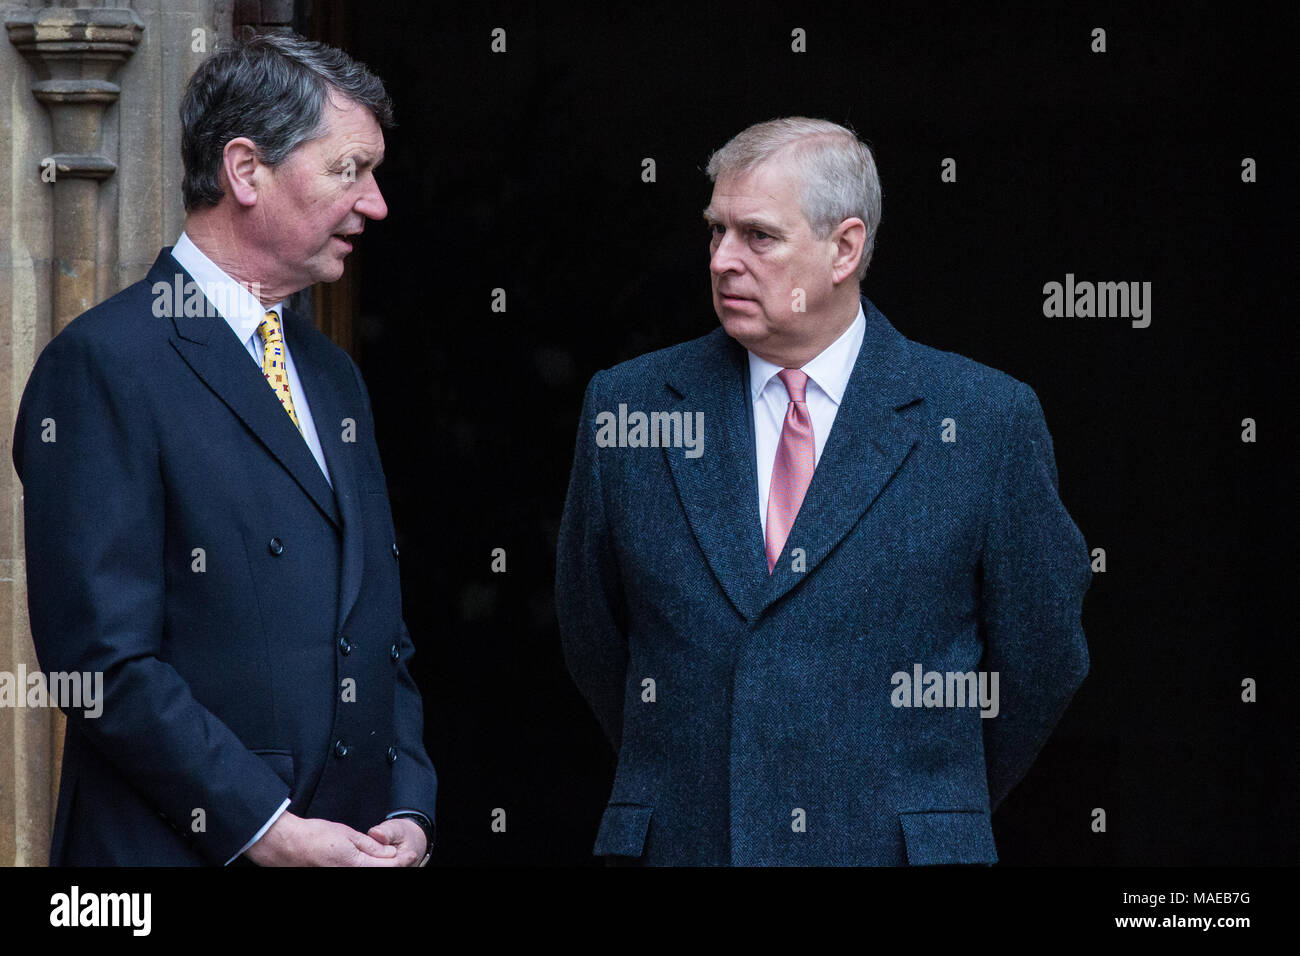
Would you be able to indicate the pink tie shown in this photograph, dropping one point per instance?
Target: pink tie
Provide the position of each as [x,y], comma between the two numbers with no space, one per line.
[793,469]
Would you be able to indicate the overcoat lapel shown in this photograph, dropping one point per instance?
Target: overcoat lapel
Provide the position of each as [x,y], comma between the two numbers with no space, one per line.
[717,490]
[868,443]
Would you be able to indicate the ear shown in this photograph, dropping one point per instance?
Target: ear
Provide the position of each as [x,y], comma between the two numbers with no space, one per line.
[242,170]
[849,238]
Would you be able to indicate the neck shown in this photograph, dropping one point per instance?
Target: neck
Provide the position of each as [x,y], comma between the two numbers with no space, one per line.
[218,238]
[828,328]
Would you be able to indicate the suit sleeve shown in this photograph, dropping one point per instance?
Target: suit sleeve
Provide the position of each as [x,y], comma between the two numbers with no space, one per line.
[588,589]
[94,506]
[1035,573]
[415,783]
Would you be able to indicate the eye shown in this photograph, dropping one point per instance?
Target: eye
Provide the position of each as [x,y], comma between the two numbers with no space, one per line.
[716,229]
[760,234]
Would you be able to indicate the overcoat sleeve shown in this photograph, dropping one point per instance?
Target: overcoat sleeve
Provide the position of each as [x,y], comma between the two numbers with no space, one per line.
[1035,570]
[588,589]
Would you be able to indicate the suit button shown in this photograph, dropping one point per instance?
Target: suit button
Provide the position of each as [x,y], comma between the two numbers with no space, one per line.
[345,646]
[340,749]
[396,553]
[394,653]
[392,755]
[275,546]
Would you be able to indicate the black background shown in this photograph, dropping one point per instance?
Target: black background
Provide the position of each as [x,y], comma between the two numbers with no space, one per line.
[522,171]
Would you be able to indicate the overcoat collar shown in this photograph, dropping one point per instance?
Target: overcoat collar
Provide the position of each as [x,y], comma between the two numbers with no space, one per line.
[718,490]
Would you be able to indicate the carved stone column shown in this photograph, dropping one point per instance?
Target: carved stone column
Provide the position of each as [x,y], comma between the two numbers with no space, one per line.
[54,267]
[74,53]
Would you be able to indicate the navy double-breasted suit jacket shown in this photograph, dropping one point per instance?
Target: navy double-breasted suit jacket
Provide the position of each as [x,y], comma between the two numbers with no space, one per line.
[246,617]
[770,733]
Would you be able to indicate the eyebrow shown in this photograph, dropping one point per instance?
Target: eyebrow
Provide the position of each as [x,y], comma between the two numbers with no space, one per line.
[748,222]
[361,161]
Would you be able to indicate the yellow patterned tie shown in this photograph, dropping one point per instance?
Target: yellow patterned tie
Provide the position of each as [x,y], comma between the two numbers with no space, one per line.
[273,363]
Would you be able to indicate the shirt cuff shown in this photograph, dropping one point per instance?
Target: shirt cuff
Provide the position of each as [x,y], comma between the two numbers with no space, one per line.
[427,826]
[262,832]
[404,813]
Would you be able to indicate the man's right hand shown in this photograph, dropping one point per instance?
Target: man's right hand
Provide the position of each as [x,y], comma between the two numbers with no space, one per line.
[299,841]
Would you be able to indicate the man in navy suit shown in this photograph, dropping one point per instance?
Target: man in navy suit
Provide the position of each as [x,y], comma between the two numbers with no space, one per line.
[814,579]
[207,519]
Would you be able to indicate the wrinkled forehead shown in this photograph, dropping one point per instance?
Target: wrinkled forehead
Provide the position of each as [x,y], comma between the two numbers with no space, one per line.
[349,130]
[772,188]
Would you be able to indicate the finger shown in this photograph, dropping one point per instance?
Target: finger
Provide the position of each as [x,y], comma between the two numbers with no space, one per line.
[372,847]
[383,834]
[365,859]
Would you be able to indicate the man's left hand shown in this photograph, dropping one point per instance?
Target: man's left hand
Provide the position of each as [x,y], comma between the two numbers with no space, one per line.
[404,834]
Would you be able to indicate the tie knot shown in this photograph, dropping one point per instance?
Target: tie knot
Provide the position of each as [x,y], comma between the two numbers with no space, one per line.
[269,330]
[795,383]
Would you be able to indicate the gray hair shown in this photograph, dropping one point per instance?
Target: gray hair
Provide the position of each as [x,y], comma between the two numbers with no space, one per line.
[838,171]
[272,89]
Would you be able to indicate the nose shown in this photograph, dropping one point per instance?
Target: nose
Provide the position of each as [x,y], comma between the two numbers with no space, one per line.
[724,257]
[372,205]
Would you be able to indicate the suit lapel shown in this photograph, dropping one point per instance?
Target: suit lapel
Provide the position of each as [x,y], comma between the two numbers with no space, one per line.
[867,445]
[214,352]
[323,382]
[718,490]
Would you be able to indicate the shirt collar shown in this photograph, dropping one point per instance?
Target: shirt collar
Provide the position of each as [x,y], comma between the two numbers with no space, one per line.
[240,308]
[830,370]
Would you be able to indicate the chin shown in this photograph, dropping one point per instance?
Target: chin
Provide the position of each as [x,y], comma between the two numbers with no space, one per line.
[744,329]
[331,273]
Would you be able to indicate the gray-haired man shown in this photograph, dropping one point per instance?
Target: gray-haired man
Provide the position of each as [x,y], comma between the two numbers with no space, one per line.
[210,530]
[766,630]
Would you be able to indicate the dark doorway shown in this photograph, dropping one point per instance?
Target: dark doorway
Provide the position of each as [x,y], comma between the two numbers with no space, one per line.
[523,171]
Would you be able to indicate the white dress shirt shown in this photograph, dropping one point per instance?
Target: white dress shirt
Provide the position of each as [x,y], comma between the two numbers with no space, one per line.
[828,376]
[244,313]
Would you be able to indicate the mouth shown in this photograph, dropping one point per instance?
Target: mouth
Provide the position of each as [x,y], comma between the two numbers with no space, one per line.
[345,238]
